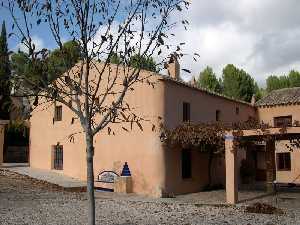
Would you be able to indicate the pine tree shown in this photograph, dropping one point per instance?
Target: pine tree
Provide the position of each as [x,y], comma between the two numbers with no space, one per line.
[4,75]
[207,79]
[4,62]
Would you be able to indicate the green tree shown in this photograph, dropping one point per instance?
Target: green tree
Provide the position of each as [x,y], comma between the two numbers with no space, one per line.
[259,92]
[284,81]
[207,79]
[60,60]
[294,78]
[142,62]
[34,72]
[230,81]
[237,83]
[272,83]
[115,58]
[135,61]
[4,75]
[275,82]
[19,61]
[279,82]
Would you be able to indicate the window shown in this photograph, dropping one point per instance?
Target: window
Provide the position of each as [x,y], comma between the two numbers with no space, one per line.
[218,114]
[58,157]
[237,110]
[284,161]
[186,163]
[186,108]
[283,121]
[58,113]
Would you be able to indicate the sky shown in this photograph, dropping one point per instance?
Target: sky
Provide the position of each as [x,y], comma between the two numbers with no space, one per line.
[260,36]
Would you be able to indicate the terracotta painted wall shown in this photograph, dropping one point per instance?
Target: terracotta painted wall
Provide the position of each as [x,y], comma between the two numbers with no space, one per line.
[292,176]
[154,168]
[203,106]
[203,109]
[266,114]
[44,134]
[141,149]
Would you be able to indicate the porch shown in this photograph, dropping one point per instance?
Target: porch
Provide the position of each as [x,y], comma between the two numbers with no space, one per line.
[269,136]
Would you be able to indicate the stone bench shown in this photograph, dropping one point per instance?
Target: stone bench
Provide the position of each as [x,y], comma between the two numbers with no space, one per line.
[111,181]
[105,180]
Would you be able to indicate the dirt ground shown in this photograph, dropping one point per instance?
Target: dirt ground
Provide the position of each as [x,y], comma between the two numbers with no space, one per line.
[31,202]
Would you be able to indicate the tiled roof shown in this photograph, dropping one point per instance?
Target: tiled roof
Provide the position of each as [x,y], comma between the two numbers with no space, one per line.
[209,92]
[281,97]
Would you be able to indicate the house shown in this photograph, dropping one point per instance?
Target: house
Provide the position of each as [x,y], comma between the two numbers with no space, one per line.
[273,150]
[281,108]
[155,169]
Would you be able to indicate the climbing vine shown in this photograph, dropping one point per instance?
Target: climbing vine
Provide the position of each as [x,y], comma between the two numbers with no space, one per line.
[210,137]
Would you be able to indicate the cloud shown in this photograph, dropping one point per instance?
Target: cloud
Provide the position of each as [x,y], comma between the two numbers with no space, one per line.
[138,39]
[38,42]
[262,37]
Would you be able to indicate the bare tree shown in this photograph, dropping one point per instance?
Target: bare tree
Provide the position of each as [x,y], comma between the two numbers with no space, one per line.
[94,89]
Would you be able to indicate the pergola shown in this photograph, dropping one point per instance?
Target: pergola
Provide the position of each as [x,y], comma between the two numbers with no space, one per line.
[231,140]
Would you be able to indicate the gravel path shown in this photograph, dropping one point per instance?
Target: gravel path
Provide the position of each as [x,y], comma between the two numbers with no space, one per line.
[25,201]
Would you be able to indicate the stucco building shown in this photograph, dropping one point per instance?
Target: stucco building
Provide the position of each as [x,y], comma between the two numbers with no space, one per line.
[281,108]
[155,169]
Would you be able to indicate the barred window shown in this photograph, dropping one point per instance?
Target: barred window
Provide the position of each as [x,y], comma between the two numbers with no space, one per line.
[186,108]
[283,121]
[58,157]
[58,113]
[284,161]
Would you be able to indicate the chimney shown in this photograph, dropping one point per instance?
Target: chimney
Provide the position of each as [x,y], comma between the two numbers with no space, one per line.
[194,81]
[253,100]
[174,67]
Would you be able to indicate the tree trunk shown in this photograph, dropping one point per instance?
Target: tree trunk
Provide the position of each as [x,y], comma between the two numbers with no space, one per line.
[90,179]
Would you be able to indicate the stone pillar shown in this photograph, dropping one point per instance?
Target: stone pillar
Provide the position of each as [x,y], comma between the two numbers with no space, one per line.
[270,165]
[231,171]
[2,128]
[123,185]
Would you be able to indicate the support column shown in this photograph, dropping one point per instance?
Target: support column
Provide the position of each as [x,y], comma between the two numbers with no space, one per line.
[2,127]
[231,171]
[270,165]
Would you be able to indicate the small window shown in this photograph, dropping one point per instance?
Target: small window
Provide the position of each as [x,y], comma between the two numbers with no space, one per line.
[237,110]
[58,157]
[218,114]
[186,108]
[186,164]
[284,161]
[283,121]
[58,113]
